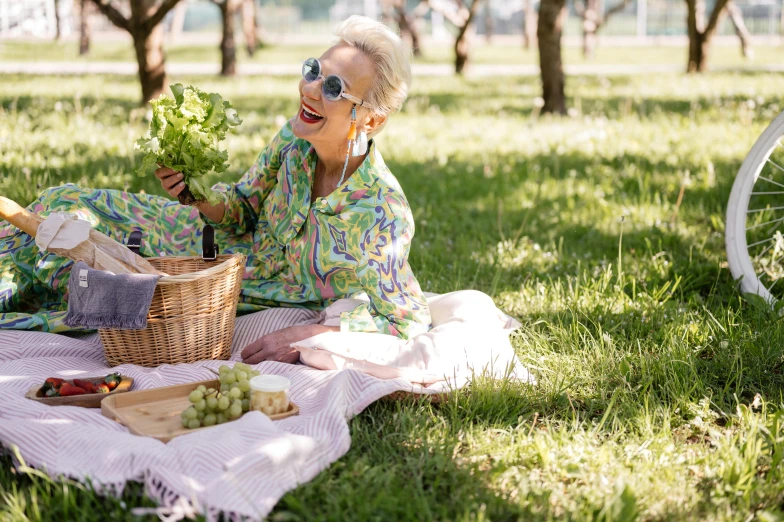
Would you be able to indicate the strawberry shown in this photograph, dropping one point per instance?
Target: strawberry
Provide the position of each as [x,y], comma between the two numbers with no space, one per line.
[112,380]
[86,385]
[53,382]
[68,389]
[102,388]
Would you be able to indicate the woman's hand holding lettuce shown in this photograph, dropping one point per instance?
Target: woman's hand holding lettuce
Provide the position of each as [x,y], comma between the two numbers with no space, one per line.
[185,135]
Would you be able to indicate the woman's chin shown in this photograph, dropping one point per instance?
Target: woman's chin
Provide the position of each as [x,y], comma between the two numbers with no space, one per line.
[303,130]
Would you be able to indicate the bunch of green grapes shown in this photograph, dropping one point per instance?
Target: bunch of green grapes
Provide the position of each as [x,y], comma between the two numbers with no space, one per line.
[210,406]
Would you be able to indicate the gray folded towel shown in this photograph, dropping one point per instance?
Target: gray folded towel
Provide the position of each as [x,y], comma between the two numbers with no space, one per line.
[100,299]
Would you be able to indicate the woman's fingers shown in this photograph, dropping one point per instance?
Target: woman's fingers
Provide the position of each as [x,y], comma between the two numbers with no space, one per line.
[164,172]
[171,180]
[252,349]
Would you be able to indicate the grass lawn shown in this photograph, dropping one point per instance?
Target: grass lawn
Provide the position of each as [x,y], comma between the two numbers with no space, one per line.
[721,55]
[661,390]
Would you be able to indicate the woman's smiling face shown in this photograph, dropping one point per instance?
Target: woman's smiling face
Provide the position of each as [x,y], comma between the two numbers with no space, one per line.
[324,122]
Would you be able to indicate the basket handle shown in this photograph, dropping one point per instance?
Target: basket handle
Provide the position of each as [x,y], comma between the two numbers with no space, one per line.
[209,250]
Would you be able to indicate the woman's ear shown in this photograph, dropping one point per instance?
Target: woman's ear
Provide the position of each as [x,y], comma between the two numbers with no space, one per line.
[373,122]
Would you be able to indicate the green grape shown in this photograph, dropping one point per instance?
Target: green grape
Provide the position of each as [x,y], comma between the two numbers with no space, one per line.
[230,378]
[220,418]
[212,403]
[235,393]
[193,424]
[241,367]
[185,422]
[210,419]
[191,413]
[223,403]
[242,376]
[223,369]
[210,391]
[255,373]
[195,396]
[200,405]
[202,388]
[245,404]
[200,415]
[235,410]
[224,388]
[244,386]
[184,414]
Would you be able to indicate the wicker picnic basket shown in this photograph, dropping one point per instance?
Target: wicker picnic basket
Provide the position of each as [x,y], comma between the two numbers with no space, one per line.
[191,317]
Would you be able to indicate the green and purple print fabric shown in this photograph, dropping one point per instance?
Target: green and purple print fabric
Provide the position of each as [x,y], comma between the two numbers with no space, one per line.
[299,253]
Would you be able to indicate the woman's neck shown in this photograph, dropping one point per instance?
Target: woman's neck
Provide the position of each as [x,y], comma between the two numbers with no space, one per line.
[331,160]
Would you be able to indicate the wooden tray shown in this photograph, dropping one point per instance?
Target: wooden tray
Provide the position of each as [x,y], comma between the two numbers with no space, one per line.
[91,400]
[156,413]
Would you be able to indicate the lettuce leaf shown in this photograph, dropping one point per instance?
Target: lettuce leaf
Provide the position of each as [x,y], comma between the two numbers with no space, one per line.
[185,135]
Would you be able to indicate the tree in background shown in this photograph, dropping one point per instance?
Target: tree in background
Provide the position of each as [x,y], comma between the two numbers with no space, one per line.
[461,14]
[407,21]
[700,33]
[228,9]
[84,27]
[736,17]
[593,20]
[250,26]
[529,23]
[552,14]
[144,26]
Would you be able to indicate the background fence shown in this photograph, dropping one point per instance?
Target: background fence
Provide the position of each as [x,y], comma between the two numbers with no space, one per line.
[642,18]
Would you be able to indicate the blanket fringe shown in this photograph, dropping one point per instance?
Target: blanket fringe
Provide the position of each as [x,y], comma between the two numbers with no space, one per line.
[120,322]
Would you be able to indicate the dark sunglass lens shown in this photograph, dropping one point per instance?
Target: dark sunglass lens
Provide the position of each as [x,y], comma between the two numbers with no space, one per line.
[310,69]
[333,87]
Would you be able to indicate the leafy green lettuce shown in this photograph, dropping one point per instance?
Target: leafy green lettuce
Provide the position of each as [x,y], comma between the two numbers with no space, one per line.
[185,135]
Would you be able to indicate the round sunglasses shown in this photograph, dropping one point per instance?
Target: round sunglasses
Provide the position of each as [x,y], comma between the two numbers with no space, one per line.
[332,86]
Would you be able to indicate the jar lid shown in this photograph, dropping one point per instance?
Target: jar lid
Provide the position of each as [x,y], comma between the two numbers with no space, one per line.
[270,383]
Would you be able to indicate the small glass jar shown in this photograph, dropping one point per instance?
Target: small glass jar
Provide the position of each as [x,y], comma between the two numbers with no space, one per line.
[269,394]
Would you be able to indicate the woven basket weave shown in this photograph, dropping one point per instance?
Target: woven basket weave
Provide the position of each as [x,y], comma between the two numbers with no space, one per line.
[191,317]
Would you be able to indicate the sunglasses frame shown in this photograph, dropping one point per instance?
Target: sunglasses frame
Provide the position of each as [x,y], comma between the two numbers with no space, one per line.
[343,94]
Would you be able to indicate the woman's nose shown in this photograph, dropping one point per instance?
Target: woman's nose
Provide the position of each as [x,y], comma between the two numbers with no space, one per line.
[312,89]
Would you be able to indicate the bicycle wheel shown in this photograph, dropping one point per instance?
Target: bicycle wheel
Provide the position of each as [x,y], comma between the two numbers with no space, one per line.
[755,217]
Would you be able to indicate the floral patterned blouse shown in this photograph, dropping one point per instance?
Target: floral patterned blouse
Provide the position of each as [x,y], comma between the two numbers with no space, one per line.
[355,240]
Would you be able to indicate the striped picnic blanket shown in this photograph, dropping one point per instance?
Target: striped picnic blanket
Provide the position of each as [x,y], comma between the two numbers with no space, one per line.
[242,467]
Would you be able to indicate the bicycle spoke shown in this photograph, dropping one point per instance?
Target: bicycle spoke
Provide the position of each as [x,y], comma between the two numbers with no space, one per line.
[758,256]
[778,167]
[761,242]
[770,180]
[763,209]
[779,220]
[766,193]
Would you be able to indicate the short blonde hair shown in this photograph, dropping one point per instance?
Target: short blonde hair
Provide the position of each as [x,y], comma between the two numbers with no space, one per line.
[390,56]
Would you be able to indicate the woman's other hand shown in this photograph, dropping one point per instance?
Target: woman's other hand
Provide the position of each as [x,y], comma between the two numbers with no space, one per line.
[171,180]
[276,346]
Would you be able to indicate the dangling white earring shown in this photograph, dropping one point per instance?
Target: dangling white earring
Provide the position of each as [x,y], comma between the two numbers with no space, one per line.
[360,145]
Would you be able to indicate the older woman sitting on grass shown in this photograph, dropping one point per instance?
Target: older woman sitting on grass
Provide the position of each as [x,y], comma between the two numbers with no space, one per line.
[319,220]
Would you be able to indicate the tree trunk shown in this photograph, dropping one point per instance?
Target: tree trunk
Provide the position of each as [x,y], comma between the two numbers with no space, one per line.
[591,21]
[489,27]
[57,21]
[228,50]
[529,23]
[552,14]
[407,26]
[698,54]
[736,16]
[150,56]
[250,26]
[464,38]
[178,22]
[700,34]
[84,27]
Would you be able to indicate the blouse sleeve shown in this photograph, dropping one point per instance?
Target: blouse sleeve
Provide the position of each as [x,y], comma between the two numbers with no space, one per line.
[397,305]
[243,199]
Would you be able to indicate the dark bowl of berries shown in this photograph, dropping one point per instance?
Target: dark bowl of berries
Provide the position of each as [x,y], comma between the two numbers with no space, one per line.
[87,392]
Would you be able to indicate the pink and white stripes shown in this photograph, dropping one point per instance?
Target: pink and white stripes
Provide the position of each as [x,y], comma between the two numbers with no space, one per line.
[242,467]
